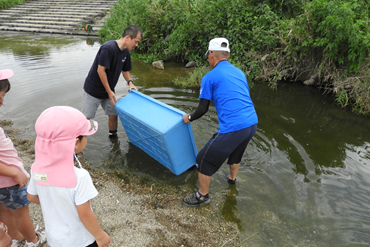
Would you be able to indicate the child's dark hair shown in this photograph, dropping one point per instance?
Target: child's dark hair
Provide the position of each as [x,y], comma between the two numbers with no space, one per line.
[4,85]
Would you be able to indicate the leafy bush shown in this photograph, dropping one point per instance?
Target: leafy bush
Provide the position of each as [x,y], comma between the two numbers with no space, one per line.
[180,30]
[340,28]
[194,79]
[324,39]
[10,3]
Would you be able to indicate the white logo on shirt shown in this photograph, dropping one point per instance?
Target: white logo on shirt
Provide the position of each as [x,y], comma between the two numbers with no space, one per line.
[123,60]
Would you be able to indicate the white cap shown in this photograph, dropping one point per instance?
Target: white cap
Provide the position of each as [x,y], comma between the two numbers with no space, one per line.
[216,45]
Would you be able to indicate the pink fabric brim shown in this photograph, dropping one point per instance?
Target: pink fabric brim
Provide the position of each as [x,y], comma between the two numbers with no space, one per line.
[6,74]
[55,161]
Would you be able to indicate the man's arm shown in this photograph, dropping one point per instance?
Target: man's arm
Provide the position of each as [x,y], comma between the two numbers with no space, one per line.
[19,177]
[104,80]
[199,112]
[127,76]
[89,220]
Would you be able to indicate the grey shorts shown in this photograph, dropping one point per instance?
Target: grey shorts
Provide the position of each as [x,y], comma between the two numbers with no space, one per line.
[90,105]
[13,197]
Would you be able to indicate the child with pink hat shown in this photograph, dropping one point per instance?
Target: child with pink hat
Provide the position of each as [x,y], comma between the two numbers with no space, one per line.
[13,186]
[63,190]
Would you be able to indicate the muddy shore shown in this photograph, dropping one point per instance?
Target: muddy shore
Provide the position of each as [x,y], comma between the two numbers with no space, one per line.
[135,214]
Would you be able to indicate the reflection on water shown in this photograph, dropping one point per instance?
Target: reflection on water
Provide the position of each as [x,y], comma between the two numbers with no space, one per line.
[304,178]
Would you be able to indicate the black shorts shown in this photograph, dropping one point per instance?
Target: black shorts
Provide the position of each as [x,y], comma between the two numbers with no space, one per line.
[222,146]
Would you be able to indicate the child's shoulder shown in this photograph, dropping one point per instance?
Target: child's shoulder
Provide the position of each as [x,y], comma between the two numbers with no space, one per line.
[82,175]
[84,180]
[81,172]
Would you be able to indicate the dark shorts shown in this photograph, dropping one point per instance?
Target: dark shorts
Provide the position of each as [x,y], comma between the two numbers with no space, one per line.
[13,197]
[224,146]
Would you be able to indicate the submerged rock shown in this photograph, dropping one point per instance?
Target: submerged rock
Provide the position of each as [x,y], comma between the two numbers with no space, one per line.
[309,82]
[191,64]
[158,64]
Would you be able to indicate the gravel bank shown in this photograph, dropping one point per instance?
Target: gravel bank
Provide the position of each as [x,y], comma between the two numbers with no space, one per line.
[134,214]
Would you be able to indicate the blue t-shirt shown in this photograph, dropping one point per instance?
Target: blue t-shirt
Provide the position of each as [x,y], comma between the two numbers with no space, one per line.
[115,61]
[227,87]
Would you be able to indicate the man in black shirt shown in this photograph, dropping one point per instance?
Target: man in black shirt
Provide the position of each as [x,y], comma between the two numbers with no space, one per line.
[112,59]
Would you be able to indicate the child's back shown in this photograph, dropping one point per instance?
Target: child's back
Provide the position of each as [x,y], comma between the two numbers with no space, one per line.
[60,213]
[63,190]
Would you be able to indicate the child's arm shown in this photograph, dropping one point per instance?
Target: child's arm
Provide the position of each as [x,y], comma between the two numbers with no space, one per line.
[16,174]
[89,220]
[33,198]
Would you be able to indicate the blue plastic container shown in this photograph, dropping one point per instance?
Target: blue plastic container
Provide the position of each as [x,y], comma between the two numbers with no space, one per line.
[158,129]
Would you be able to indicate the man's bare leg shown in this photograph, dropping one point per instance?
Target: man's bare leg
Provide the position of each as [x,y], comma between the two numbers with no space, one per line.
[204,182]
[234,168]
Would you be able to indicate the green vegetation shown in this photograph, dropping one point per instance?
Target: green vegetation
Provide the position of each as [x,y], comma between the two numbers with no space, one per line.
[11,3]
[325,41]
[194,78]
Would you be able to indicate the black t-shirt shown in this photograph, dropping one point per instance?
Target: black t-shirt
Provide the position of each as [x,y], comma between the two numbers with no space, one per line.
[115,61]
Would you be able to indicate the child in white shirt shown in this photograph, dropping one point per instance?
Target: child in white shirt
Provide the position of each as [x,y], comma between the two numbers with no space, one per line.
[63,190]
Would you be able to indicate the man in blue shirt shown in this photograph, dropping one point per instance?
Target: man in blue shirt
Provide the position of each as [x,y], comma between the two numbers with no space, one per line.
[227,87]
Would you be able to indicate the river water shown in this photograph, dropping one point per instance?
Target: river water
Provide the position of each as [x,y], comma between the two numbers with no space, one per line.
[304,179]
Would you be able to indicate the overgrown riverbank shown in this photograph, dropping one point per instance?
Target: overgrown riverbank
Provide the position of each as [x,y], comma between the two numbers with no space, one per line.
[323,43]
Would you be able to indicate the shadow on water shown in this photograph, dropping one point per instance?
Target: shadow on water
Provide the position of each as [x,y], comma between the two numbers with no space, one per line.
[304,177]
[121,162]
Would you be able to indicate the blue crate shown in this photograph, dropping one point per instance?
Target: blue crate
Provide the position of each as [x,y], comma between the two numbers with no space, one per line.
[158,129]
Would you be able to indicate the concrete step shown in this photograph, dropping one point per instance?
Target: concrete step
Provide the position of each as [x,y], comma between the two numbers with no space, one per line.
[69,10]
[62,22]
[56,16]
[39,26]
[45,2]
[34,18]
[53,18]
[43,23]
[51,31]
[62,7]
[68,2]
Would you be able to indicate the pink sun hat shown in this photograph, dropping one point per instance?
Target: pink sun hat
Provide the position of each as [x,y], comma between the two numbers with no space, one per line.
[6,74]
[57,129]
